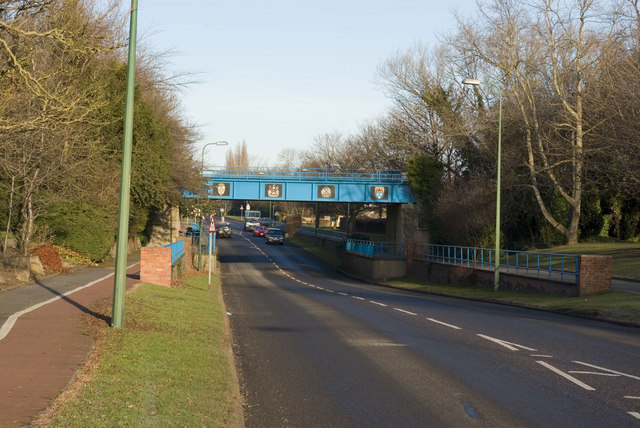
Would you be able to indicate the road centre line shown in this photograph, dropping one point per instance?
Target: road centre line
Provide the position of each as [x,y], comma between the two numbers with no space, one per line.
[377,303]
[444,324]
[359,298]
[566,376]
[631,397]
[406,312]
[607,370]
[343,294]
[635,414]
[541,356]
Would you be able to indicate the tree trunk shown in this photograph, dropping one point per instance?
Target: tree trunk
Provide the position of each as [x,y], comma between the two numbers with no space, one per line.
[10,213]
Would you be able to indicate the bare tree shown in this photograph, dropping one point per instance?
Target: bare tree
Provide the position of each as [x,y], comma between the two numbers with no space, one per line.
[546,58]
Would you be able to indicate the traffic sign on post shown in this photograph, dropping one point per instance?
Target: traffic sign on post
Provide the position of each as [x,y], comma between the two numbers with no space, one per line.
[212,225]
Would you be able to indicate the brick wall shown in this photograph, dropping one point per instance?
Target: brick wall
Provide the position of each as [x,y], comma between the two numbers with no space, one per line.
[155,266]
[594,274]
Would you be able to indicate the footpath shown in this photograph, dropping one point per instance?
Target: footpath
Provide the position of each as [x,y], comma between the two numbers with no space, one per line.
[44,339]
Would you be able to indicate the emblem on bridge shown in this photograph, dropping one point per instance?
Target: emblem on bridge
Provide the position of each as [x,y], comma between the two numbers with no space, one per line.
[380,192]
[327,192]
[273,190]
[221,189]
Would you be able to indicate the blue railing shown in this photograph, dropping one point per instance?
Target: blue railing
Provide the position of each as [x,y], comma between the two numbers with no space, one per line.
[558,267]
[306,174]
[177,250]
[386,250]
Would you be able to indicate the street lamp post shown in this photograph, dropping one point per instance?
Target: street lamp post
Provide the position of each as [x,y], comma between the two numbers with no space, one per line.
[217,143]
[476,82]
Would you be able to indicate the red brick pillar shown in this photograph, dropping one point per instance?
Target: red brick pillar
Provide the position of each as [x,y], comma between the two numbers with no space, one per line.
[594,273]
[155,266]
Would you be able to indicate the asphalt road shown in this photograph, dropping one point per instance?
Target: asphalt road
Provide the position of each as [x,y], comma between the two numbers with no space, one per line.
[316,349]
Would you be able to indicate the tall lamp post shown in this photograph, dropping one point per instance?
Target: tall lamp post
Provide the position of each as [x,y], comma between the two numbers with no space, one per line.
[120,275]
[217,143]
[476,82]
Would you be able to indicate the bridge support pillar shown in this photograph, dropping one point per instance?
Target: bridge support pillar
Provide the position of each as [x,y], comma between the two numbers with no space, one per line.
[402,224]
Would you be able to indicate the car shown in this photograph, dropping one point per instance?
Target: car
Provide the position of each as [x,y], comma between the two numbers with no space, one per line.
[223,230]
[251,222]
[259,231]
[274,236]
[266,221]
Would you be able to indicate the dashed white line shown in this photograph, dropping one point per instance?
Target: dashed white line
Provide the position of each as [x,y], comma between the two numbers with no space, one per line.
[343,294]
[566,376]
[631,397]
[359,298]
[541,356]
[635,414]
[455,327]
[377,303]
[405,312]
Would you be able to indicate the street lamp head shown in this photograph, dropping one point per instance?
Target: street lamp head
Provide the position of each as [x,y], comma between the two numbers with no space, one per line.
[221,143]
[469,81]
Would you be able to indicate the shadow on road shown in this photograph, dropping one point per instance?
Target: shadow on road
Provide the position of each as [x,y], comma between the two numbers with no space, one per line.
[83,308]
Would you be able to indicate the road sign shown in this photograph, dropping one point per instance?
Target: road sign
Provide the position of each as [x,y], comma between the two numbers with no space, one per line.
[212,225]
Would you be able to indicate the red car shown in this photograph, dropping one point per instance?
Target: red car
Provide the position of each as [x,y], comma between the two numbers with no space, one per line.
[259,231]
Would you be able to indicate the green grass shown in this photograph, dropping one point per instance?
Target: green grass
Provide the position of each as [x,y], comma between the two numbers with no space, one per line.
[612,305]
[325,255]
[169,366]
[625,255]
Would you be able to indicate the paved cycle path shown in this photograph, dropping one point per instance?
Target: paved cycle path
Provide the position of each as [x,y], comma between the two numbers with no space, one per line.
[44,340]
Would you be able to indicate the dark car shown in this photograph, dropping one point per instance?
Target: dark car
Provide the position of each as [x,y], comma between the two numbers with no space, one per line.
[266,221]
[274,236]
[259,231]
[223,230]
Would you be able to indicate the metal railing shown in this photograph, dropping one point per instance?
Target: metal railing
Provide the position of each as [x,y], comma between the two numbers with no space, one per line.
[558,267]
[177,250]
[386,250]
[307,174]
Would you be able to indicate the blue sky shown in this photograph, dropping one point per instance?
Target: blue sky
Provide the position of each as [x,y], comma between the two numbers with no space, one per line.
[278,73]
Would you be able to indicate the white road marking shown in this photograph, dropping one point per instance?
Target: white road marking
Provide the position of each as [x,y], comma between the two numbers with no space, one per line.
[541,356]
[377,303]
[359,298]
[593,373]
[607,370]
[329,291]
[403,311]
[631,397]
[9,323]
[635,414]
[342,294]
[566,376]
[509,345]
[444,324]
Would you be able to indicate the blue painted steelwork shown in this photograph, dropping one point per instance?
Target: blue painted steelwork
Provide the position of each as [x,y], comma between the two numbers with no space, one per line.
[385,250]
[177,250]
[557,267]
[308,185]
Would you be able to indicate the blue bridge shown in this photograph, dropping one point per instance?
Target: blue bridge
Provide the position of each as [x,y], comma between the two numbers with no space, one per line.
[308,185]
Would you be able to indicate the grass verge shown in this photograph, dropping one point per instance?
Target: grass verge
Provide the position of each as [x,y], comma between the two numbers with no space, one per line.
[612,305]
[325,255]
[169,366]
